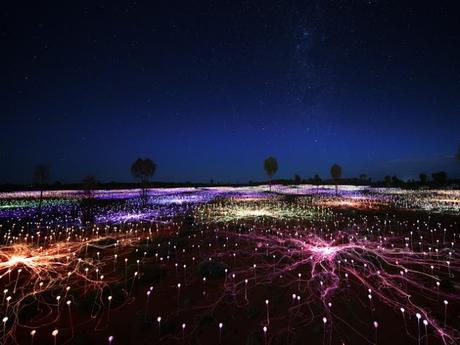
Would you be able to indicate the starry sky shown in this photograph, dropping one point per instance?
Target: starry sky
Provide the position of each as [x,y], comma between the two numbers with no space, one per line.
[208,89]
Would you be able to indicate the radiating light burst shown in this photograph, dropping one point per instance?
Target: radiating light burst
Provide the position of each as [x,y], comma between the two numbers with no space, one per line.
[52,268]
[325,252]
[398,272]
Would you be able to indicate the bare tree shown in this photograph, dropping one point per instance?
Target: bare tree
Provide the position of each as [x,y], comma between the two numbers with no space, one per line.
[143,169]
[271,167]
[336,174]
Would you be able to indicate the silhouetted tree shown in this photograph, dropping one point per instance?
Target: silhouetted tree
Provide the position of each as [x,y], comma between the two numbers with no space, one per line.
[41,175]
[87,202]
[423,179]
[297,179]
[336,174]
[395,181]
[439,178]
[143,169]
[89,184]
[363,178]
[271,167]
[457,156]
[317,181]
[387,181]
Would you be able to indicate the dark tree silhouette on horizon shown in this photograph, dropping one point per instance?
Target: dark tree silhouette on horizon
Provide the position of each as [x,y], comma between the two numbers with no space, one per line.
[297,179]
[317,181]
[143,169]
[395,181]
[423,178]
[89,183]
[336,174]
[271,167]
[41,175]
[439,178]
[457,156]
[387,181]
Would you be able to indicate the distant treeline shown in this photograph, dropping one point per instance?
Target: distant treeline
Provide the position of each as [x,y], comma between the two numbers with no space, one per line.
[438,180]
[143,169]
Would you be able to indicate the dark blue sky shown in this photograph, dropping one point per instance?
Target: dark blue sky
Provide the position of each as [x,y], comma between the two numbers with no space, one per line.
[208,89]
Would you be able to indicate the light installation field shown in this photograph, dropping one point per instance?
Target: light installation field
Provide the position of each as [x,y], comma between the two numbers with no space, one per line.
[224,265]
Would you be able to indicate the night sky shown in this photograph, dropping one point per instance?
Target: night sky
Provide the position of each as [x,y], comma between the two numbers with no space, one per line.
[208,89]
